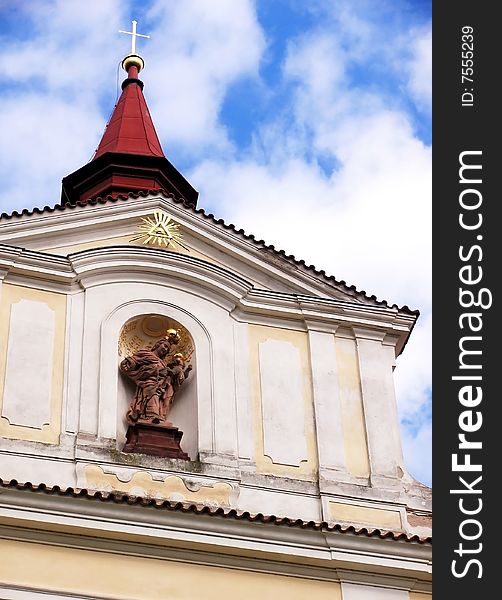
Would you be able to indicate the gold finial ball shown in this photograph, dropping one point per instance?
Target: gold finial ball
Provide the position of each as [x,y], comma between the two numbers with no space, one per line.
[133,60]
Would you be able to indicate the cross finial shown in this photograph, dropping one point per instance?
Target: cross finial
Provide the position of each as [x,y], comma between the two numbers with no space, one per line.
[134,36]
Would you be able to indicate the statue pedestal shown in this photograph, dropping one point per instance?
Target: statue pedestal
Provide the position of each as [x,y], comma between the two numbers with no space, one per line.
[156,440]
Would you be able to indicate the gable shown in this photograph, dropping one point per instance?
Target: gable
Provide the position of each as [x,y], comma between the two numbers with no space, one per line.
[265,335]
[111,222]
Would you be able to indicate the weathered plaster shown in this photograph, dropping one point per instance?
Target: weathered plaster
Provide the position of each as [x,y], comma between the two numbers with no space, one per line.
[14,296]
[173,487]
[266,464]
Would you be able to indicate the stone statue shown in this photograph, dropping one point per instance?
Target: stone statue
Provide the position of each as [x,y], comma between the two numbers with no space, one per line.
[156,380]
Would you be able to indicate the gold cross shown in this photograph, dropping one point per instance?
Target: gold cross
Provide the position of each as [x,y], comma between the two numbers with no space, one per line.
[134,36]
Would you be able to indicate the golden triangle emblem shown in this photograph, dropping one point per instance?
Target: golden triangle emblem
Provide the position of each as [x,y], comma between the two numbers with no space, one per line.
[159,229]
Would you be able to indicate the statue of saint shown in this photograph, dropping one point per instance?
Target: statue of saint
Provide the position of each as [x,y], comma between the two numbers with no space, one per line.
[156,380]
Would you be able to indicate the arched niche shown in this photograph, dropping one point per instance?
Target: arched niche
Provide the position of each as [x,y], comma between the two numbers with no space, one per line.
[118,334]
[141,332]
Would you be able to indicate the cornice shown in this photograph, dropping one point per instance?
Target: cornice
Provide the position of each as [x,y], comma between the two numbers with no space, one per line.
[135,263]
[210,538]
[101,266]
[20,264]
[100,213]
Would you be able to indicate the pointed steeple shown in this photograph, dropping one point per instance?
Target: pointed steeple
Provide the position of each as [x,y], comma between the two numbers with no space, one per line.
[130,128]
[129,157]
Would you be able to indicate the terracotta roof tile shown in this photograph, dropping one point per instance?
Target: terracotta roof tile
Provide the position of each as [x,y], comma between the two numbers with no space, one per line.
[350,289]
[199,509]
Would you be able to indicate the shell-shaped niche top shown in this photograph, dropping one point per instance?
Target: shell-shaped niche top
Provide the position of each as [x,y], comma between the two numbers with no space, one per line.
[142,332]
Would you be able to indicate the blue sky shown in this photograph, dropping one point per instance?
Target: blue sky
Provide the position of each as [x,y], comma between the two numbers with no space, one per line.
[305,123]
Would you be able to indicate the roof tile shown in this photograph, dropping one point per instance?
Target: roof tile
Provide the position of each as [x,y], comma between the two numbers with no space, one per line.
[232,513]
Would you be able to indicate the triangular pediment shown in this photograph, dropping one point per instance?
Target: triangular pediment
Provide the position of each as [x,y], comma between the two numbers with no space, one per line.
[149,220]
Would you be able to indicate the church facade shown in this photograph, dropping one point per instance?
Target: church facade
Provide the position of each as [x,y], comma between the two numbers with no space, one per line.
[187,412]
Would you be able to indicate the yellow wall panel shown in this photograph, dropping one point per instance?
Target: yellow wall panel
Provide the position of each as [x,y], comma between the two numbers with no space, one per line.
[364,515]
[108,575]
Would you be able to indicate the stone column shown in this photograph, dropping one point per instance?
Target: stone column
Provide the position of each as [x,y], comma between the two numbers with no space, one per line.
[376,360]
[327,406]
[243,391]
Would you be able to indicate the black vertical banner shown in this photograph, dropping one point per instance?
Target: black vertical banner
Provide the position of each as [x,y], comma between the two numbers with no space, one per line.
[468,249]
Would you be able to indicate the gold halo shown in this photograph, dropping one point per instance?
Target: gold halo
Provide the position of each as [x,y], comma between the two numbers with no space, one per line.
[143,331]
[153,325]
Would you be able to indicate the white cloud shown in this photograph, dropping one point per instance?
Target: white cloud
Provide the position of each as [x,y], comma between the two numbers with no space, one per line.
[36,156]
[418,453]
[195,55]
[317,62]
[51,122]
[414,372]
[68,50]
[367,220]
[420,68]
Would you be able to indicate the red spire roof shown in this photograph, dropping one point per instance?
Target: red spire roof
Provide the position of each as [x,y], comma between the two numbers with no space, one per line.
[129,157]
[130,129]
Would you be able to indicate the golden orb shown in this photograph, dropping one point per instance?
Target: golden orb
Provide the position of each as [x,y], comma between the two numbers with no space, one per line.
[133,60]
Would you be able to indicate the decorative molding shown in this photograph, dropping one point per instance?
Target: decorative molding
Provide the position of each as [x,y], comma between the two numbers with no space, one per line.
[345,333]
[352,513]
[173,487]
[368,334]
[321,326]
[126,263]
[283,548]
[383,581]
